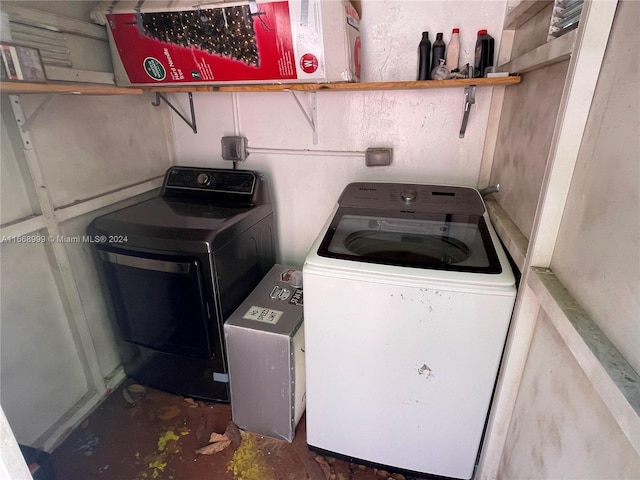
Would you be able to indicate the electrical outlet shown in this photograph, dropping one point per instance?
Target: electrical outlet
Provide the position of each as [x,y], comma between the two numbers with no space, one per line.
[234,149]
[378,157]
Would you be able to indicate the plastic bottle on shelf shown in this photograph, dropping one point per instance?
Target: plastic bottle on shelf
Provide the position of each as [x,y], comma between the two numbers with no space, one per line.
[453,50]
[441,72]
[424,57]
[438,51]
[484,54]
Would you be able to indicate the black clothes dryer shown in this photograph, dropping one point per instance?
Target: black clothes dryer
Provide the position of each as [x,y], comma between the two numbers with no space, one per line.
[176,266]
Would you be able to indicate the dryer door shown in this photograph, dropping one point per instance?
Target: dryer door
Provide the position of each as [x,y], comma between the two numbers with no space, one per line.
[443,242]
[158,300]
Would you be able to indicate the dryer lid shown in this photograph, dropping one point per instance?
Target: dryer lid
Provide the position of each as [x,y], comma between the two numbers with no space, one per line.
[454,242]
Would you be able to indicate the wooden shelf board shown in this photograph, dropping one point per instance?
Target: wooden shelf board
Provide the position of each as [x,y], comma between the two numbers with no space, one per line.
[96,89]
[68,88]
[353,87]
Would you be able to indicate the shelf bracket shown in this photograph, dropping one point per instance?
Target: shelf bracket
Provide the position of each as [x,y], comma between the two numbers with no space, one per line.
[21,120]
[312,116]
[469,99]
[192,122]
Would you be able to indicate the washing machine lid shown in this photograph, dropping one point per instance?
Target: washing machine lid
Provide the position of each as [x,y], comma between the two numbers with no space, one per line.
[453,242]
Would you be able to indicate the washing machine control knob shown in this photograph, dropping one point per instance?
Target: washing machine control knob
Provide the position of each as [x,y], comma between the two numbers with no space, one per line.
[204,179]
[409,195]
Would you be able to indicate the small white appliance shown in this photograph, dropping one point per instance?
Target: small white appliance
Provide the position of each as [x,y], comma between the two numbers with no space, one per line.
[408,298]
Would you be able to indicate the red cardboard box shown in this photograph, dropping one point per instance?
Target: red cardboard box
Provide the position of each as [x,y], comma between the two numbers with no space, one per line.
[179,43]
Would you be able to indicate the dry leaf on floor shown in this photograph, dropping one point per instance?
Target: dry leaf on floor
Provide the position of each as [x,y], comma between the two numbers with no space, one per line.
[128,399]
[233,433]
[167,413]
[137,391]
[388,475]
[214,447]
[217,443]
[217,437]
[326,468]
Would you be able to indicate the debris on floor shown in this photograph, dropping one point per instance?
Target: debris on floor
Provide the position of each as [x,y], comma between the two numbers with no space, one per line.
[137,391]
[247,462]
[130,402]
[167,413]
[388,476]
[87,444]
[217,443]
[155,463]
[171,437]
[233,433]
[326,468]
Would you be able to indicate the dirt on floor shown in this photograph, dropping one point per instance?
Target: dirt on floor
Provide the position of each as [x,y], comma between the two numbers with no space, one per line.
[139,433]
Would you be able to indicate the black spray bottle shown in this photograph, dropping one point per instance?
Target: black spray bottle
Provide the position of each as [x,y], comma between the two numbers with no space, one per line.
[438,52]
[424,57]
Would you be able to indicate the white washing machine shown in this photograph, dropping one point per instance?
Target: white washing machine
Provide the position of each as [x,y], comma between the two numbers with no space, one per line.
[408,298]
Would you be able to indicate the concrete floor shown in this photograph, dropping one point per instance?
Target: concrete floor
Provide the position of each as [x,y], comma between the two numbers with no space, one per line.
[155,435]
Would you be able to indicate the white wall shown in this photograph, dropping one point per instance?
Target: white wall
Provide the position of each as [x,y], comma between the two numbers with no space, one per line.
[421,126]
[15,202]
[42,370]
[58,347]
[603,209]
[391,31]
[562,428]
[576,411]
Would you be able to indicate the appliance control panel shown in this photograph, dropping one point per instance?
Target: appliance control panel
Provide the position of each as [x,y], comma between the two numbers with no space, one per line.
[241,182]
[275,305]
[413,197]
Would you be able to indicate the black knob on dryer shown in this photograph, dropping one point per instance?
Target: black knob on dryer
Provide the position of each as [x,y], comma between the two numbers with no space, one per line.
[204,179]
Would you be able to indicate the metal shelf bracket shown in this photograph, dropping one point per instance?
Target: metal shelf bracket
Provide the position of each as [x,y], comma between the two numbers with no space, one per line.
[192,122]
[469,99]
[312,116]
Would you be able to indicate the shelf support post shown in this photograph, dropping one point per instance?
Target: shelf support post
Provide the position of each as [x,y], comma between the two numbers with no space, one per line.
[311,119]
[469,99]
[192,122]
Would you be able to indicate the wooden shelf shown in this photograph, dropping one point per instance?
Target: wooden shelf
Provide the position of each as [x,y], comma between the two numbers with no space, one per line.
[341,87]
[68,88]
[93,89]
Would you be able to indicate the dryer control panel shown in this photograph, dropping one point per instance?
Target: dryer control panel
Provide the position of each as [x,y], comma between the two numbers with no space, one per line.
[241,187]
[414,197]
[208,179]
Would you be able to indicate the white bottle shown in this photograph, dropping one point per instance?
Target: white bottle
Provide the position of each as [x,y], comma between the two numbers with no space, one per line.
[453,50]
